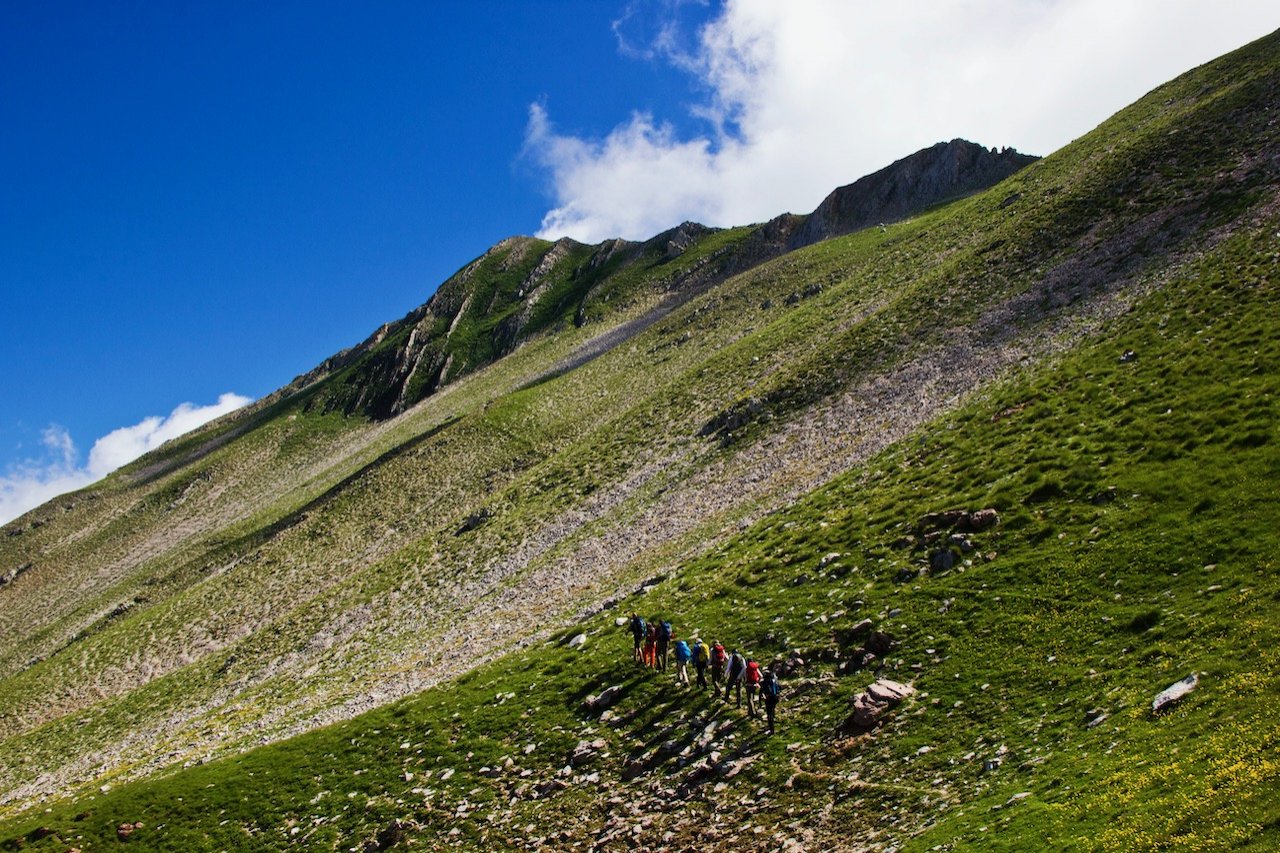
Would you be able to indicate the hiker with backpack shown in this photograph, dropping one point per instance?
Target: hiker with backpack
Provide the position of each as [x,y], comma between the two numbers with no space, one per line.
[665,636]
[718,659]
[683,655]
[770,690]
[733,681]
[701,657]
[752,677]
[649,657]
[637,635]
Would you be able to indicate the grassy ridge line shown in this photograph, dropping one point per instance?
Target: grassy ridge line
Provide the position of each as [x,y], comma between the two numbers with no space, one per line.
[1085,605]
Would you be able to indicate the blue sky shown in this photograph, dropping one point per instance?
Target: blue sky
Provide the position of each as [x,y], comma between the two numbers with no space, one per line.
[200,199]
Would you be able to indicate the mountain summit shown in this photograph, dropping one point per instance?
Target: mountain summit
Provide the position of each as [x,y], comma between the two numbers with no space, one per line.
[942,172]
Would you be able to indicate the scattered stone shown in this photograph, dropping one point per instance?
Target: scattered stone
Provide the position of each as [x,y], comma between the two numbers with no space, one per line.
[586,751]
[1094,717]
[1174,693]
[828,559]
[578,641]
[620,621]
[125,830]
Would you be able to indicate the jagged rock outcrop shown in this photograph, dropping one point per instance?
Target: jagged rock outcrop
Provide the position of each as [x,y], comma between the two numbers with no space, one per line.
[930,176]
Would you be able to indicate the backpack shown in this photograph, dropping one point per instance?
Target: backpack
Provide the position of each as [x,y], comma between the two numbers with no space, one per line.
[753,672]
[769,686]
[664,631]
[701,653]
[682,651]
[717,654]
[637,626]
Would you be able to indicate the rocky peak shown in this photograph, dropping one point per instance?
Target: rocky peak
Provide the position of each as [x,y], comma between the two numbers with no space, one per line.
[930,176]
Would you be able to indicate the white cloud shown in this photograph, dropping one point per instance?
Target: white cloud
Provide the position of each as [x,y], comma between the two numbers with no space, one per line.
[811,94]
[31,483]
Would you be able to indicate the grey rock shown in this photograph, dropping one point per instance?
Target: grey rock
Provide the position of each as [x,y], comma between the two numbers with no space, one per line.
[1174,693]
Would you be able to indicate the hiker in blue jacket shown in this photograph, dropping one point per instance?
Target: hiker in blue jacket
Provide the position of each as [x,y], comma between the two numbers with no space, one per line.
[683,656]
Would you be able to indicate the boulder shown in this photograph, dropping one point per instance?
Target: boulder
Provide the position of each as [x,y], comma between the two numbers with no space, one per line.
[983,519]
[944,520]
[870,707]
[606,699]
[578,641]
[942,560]
[879,643]
[1174,693]
[390,835]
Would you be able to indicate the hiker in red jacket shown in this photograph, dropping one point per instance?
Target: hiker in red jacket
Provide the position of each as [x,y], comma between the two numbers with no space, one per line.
[718,657]
[753,686]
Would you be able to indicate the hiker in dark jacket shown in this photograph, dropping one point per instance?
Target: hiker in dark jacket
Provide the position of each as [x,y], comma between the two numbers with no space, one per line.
[733,682]
[665,636]
[718,658]
[650,644]
[770,689]
[637,635]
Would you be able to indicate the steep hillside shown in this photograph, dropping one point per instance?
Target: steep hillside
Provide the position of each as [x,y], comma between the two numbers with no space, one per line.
[1089,349]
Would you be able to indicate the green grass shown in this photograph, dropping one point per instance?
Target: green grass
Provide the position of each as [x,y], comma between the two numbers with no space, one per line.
[1084,603]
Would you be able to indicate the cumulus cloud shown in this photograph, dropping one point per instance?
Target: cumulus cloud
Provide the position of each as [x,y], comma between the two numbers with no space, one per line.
[808,95]
[31,483]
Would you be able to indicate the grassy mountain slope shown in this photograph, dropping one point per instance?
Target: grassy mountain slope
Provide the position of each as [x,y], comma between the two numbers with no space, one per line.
[821,403]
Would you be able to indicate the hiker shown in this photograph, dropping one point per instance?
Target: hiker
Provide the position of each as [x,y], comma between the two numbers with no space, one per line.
[770,689]
[665,636]
[683,656]
[701,657]
[650,644]
[637,634]
[733,681]
[717,665]
[753,686]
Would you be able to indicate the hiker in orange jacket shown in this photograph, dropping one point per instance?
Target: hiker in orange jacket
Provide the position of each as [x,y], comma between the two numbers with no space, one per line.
[651,643]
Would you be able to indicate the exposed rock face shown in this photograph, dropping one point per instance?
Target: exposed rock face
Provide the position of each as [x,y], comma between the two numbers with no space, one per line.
[946,171]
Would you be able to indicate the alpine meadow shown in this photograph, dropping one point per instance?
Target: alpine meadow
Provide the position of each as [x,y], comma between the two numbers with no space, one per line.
[980,456]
